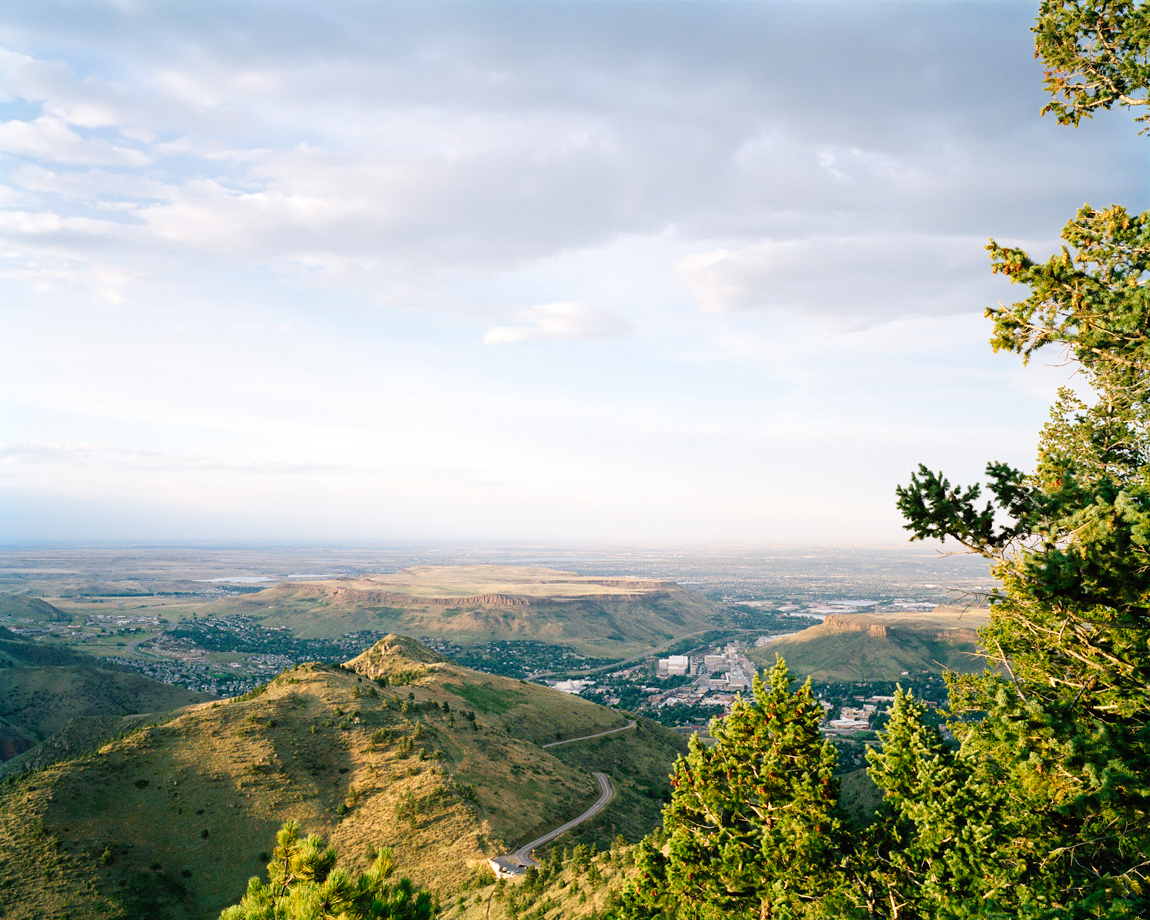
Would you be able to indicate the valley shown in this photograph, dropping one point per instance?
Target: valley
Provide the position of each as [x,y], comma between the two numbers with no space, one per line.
[454,746]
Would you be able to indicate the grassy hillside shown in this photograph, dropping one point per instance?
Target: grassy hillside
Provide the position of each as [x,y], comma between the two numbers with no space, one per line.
[41,701]
[881,647]
[171,821]
[45,686]
[602,617]
[29,610]
[19,652]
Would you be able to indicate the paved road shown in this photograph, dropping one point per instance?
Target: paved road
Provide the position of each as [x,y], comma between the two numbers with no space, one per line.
[606,793]
[523,854]
[133,646]
[610,731]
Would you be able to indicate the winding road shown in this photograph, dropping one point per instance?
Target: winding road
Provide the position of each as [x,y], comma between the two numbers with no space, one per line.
[606,793]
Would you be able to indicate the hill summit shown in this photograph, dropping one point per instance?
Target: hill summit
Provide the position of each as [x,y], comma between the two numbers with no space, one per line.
[394,654]
[397,747]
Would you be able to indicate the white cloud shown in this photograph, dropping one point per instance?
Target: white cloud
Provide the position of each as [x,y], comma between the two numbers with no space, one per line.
[89,103]
[560,321]
[50,138]
[139,460]
[878,276]
[206,214]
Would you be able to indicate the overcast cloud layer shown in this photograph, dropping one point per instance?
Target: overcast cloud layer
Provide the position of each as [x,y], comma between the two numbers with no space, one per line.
[674,272]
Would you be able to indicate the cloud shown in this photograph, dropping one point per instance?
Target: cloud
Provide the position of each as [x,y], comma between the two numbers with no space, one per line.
[90,103]
[560,321]
[103,457]
[391,146]
[865,277]
[50,138]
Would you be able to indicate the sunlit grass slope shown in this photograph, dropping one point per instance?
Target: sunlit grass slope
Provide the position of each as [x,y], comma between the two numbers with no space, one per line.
[171,821]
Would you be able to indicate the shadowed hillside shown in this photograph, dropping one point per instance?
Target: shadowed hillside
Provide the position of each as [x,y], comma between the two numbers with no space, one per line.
[43,687]
[31,610]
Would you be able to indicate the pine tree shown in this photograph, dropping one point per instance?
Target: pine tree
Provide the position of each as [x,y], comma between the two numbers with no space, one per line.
[1096,54]
[753,828]
[1058,736]
[304,884]
[1066,718]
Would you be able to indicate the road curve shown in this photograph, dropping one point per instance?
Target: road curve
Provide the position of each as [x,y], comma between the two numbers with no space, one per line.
[610,731]
[523,854]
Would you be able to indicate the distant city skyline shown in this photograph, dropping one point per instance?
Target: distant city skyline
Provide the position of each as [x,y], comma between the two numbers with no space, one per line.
[657,272]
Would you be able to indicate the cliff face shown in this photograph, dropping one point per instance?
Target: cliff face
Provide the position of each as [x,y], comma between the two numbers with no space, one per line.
[835,623]
[367,597]
[393,599]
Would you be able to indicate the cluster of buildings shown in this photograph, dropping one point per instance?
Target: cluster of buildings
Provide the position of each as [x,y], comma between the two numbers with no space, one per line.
[726,671]
[854,719]
[719,675]
[113,621]
[193,676]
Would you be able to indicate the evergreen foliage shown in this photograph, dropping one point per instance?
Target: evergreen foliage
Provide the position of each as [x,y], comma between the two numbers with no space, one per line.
[1063,749]
[1053,767]
[753,828]
[304,884]
[1096,54]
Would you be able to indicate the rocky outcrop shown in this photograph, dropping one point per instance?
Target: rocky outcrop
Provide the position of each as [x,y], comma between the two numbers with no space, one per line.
[366,597]
[836,623]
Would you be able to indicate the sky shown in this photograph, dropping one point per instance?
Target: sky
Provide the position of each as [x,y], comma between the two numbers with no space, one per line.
[658,272]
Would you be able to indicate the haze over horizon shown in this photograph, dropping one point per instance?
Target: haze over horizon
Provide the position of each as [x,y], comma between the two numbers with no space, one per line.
[527,271]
